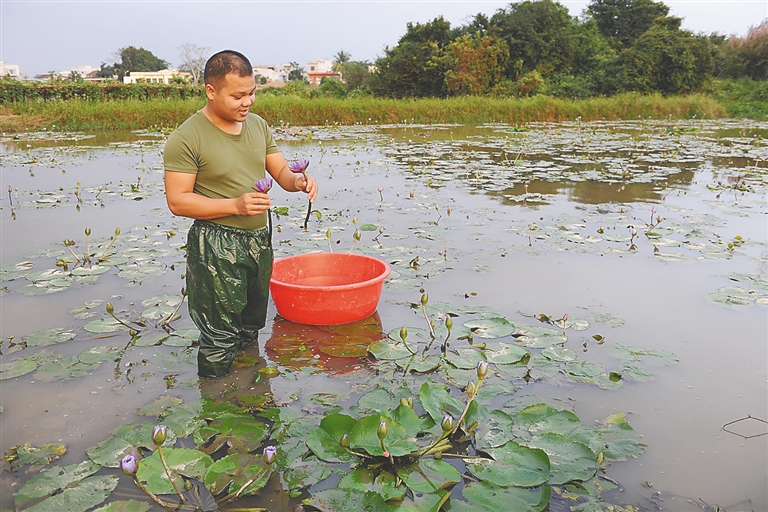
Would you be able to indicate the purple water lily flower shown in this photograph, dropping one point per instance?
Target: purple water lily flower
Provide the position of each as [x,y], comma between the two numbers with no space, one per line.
[269,454]
[129,464]
[159,434]
[263,185]
[299,165]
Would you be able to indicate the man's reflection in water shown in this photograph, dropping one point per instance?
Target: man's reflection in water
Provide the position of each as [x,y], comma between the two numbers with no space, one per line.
[305,351]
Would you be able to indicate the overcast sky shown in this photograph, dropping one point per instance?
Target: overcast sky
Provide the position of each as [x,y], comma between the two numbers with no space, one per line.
[55,35]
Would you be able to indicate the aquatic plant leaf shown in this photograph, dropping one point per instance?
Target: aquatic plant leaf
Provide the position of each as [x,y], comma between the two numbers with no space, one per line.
[79,496]
[333,500]
[94,270]
[346,346]
[465,358]
[590,372]
[420,363]
[190,463]
[105,324]
[157,406]
[17,368]
[13,271]
[124,439]
[636,371]
[364,436]
[607,319]
[36,456]
[369,227]
[495,430]
[388,350]
[301,475]
[55,479]
[494,327]
[489,496]
[235,470]
[652,357]
[241,432]
[512,464]
[324,441]
[182,419]
[621,439]
[406,417]
[560,354]
[429,475]
[569,460]
[385,484]
[505,353]
[539,337]
[150,338]
[182,338]
[438,402]
[49,337]
[378,399]
[543,419]
[125,506]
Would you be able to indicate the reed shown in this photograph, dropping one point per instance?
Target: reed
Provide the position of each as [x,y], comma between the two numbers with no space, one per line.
[153,114]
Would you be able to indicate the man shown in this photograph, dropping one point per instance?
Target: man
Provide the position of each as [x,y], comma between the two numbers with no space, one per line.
[211,163]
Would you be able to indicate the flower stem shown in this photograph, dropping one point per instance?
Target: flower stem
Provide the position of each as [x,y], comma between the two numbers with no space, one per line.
[168,472]
[234,495]
[466,408]
[309,212]
[431,330]
[151,495]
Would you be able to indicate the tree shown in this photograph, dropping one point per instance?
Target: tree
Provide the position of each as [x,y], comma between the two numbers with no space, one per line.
[356,74]
[476,64]
[622,22]
[137,59]
[296,72]
[667,59]
[340,60]
[415,67]
[542,34]
[193,60]
[747,56]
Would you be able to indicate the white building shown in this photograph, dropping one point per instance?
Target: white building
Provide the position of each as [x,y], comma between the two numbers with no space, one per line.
[319,66]
[272,72]
[9,69]
[164,76]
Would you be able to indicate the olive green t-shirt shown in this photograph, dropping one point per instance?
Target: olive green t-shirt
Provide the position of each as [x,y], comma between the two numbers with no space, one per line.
[226,165]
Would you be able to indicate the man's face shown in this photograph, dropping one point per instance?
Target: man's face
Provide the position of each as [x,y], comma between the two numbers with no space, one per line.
[233,97]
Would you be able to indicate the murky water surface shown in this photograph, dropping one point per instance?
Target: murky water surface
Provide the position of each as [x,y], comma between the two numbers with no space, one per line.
[649,235]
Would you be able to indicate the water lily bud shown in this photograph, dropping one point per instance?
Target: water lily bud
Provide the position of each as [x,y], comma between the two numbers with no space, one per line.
[269,454]
[129,464]
[448,322]
[356,235]
[412,193]
[424,299]
[87,231]
[328,234]
[470,388]
[184,291]
[381,431]
[110,308]
[132,332]
[159,434]
[117,232]
[386,453]
[403,333]
[408,402]
[345,440]
[565,318]
[482,370]
[447,423]
[472,426]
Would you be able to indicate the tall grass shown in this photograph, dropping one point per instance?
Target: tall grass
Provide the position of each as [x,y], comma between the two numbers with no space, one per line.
[134,115]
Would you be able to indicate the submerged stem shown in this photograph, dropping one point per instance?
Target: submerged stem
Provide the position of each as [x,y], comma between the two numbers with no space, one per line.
[168,472]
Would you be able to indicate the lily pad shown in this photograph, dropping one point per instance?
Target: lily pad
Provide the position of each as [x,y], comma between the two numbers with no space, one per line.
[495,327]
[35,455]
[364,480]
[241,432]
[489,496]
[512,464]
[237,469]
[438,402]
[324,441]
[79,496]
[49,337]
[53,481]
[185,462]
[429,475]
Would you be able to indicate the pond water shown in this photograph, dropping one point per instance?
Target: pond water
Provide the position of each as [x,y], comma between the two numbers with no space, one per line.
[651,236]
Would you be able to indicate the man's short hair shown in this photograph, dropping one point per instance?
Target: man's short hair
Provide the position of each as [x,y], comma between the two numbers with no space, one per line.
[223,63]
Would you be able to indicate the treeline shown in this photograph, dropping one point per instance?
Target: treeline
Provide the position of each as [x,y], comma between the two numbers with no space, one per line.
[15,91]
[537,47]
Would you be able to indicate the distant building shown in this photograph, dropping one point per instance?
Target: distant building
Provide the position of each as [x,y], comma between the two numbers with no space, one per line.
[272,72]
[9,69]
[319,69]
[164,76]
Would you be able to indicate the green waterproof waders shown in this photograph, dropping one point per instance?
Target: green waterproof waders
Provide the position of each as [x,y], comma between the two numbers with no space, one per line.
[228,272]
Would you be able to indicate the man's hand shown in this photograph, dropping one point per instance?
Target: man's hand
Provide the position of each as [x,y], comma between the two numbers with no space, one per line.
[252,203]
[308,185]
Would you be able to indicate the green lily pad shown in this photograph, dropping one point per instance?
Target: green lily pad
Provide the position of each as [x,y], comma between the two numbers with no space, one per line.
[607,319]
[621,439]
[236,470]
[37,456]
[505,353]
[389,350]
[182,419]
[650,356]
[301,475]
[495,327]
[378,399]
[385,484]
[333,500]
[364,436]
[125,439]
[106,324]
[125,506]
[324,441]
[420,363]
[241,432]
[429,475]
[53,481]
[49,337]
[590,372]
[569,460]
[539,337]
[489,496]
[181,461]
[17,368]
[156,407]
[560,354]
[79,496]
[465,358]
[495,431]
[437,402]
[512,464]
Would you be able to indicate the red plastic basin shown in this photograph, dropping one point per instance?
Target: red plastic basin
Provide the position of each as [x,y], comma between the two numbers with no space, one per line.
[327,288]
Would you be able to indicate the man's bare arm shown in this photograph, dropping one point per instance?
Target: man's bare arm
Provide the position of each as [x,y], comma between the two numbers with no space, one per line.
[277,167]
[182,200]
